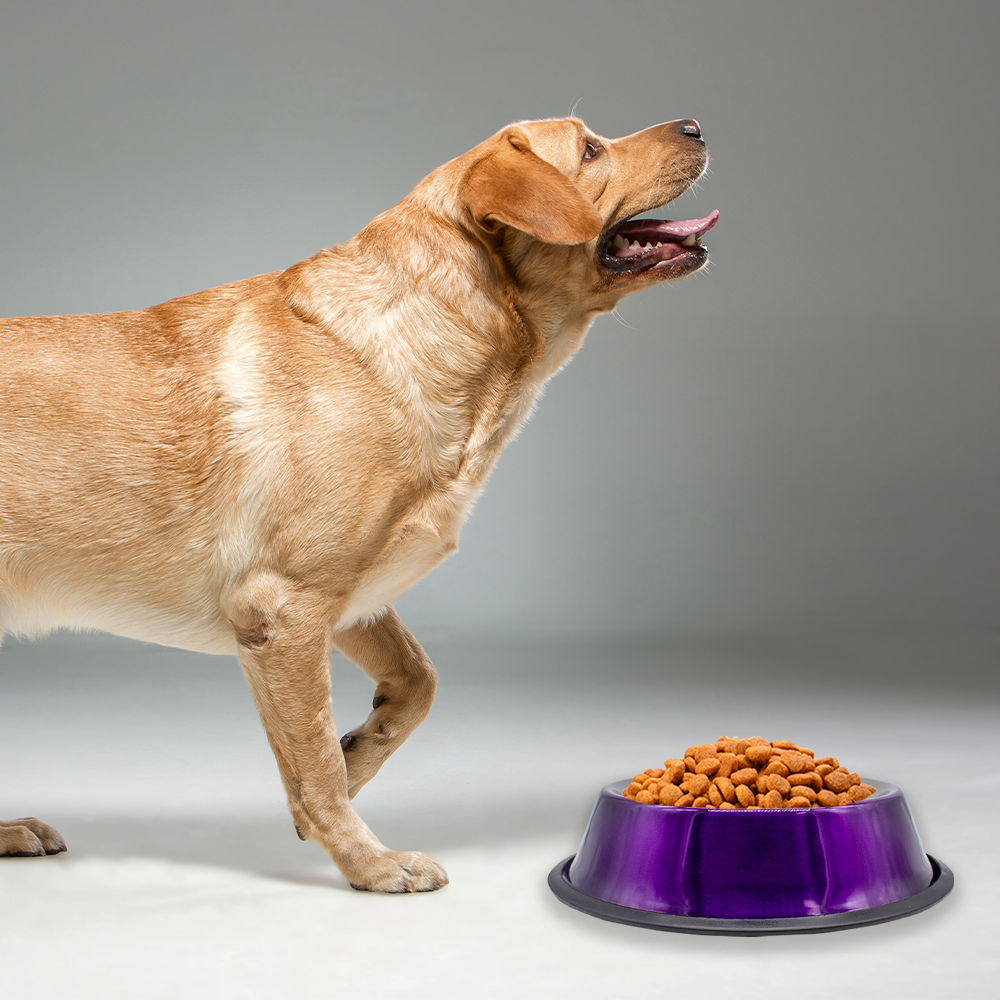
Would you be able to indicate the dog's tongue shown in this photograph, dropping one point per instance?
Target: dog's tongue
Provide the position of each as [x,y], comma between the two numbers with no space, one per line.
[667,230]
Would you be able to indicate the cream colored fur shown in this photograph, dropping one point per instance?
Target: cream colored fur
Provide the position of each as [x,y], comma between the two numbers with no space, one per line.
[260,469]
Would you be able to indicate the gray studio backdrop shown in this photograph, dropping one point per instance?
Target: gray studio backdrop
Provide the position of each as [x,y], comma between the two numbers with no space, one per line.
[804,437]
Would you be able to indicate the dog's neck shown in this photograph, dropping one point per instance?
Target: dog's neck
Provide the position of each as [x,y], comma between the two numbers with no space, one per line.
[467,360]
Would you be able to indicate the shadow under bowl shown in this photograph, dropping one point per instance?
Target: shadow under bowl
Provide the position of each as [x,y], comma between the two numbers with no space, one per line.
[755,871]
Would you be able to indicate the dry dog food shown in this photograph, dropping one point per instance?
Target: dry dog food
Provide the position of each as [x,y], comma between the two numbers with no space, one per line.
[748,774]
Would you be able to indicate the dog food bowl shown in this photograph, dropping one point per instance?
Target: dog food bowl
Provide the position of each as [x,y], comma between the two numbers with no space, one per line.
[756,871]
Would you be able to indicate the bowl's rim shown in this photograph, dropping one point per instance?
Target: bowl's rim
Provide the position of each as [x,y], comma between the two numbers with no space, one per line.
[883,790]
[942,882]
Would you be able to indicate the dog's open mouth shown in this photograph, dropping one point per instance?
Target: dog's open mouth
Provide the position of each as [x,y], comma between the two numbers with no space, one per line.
[641,244]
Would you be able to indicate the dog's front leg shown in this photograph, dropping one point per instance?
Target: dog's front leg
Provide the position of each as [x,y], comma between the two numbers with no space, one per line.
[284,649]
[406,681]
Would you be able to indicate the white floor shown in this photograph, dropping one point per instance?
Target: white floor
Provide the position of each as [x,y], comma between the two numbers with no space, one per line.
[185,878]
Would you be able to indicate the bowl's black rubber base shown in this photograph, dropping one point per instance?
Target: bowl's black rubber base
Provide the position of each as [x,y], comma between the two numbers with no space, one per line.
[942,883]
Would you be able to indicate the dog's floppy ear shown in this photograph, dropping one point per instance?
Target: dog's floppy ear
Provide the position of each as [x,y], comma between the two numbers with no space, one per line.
[512,186]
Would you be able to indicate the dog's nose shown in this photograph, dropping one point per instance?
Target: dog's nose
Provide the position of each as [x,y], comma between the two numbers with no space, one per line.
[688,127]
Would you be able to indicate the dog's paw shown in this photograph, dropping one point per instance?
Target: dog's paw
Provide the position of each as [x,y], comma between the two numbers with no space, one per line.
[29,837]
[398,871]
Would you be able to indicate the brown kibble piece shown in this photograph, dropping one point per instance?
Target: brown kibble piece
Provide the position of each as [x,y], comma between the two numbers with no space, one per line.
[823,769]
[758,753]
[726,787]
[826,798]
[803,791]
[727,805]
[843,799]
[669,794]
[745,796]
[838,781]
[697,784]
[726,745]
[858,792]
[798,802]
[779,784]
[772,800]
[810,778]
[701,751]
[685,800]
[708,765]
[690,763]
[727,764]
[745,776]
[774,766]
[743,761]
[654,772]
[796,762]
[715,795]
[701,802]
[645,797]
[673,770]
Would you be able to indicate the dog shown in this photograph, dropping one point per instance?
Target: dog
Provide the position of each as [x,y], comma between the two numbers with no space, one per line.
[263,467]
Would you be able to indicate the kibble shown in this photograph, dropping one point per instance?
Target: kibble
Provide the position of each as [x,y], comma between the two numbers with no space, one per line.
[748,774]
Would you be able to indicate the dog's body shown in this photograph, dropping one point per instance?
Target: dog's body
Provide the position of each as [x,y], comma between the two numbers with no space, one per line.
[262,468]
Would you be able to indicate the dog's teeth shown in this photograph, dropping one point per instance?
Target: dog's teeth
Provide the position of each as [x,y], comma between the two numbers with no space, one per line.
[658,245]
[690,241]
[648,246]
[635,245]
[619,242]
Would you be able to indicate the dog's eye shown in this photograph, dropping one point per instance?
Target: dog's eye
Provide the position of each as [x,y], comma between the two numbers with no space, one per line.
[592,148]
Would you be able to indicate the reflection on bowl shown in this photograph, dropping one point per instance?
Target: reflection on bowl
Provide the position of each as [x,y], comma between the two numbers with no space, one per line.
[768,865]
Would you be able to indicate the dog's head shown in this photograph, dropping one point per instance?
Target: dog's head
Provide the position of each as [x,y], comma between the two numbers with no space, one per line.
[552,194]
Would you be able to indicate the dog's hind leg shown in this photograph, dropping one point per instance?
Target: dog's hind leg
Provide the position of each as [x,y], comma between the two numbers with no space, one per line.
[284,649]
[27,837]
[406,681]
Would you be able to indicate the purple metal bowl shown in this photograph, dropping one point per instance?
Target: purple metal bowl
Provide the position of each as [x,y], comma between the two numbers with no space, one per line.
[795,869]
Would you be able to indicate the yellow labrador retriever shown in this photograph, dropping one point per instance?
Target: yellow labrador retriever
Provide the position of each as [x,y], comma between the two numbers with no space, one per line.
[262,468]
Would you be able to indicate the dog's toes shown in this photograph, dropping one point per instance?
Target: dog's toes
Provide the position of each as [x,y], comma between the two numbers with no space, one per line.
[426,873]
[406,871]
[49,838]
[20,842]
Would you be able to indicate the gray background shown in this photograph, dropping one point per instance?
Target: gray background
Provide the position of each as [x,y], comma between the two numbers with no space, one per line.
[767,494]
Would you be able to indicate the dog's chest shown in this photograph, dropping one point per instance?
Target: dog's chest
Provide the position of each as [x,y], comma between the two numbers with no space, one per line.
[413,549]
[429,533]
